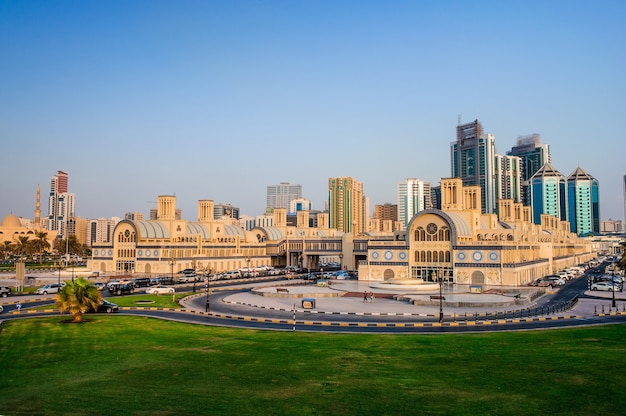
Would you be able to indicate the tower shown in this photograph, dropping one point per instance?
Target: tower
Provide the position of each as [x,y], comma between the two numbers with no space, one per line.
[583,202]
[38,208]
[281,195]
[472,160]
[413,197]
[548,194]
[345,205]
[533,155]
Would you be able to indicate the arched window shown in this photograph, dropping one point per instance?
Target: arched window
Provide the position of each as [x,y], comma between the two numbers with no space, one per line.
[435,257]
[429,256]
[447,256]
[423,257]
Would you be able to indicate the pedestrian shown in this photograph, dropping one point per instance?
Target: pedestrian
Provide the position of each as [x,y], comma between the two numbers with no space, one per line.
[365,296]
[371,296]
[18,305]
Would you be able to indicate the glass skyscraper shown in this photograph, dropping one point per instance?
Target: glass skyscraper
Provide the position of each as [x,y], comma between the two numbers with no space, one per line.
[583,201]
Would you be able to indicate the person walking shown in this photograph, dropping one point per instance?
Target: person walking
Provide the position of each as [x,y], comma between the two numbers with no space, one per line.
[365,296]
[371,297]
[18,305]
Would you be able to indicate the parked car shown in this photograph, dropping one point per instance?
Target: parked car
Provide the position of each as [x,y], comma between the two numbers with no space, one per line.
[47,289]
[5,291]
[106,306]
[100,286]
[141,281]
[605,286]
[121,288]
[159,290]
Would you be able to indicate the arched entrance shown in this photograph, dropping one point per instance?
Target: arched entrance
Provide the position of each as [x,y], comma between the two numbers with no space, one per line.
[389,274]
[478,278]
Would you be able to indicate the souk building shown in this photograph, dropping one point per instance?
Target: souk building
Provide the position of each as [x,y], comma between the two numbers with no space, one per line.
[457,243]
[169,244]
[460,244]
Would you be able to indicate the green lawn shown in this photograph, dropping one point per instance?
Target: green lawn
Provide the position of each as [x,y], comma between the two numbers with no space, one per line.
[122,365]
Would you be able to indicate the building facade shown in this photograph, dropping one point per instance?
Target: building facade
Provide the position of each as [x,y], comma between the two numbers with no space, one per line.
[414,195]
[472,160]
[346,205]
[533,155]
[281,195]
[460,244]
[507,178]
[583,203]
[548,194]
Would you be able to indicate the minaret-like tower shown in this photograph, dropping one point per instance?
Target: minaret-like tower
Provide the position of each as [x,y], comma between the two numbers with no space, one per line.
[38,208]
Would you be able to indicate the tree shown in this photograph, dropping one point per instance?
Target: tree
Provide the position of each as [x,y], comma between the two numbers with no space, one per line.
[77,298]
[41,243]
[23,246]
[6,249]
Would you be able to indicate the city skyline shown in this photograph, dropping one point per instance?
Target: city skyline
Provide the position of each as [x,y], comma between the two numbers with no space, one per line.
[218,101]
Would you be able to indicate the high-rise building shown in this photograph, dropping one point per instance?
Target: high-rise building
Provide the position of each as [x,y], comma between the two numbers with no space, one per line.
[548,194]
[225,210]
[624,198]
[386,212]
[583,196]
[533,155]
[60,204]
[472,160]
[414,195]
[507,177]
[346,205]
[281,195]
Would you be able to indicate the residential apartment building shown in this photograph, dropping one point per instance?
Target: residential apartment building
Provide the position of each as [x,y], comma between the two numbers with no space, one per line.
[472,160]
[533,155]
[583,202]
[548,194]
[346,205]
[281,195]
[414,195]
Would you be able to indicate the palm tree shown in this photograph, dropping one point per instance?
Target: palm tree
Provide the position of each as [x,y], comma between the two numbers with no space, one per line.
[41,243]
[6,249]
[78,297]
[22,246]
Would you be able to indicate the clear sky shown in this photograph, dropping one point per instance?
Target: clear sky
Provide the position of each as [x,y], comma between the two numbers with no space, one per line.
[219,99]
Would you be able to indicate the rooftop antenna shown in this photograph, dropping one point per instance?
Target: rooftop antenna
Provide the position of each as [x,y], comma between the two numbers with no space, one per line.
[459,120]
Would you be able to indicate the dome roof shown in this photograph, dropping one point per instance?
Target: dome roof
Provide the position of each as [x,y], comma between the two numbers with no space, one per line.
[11,221]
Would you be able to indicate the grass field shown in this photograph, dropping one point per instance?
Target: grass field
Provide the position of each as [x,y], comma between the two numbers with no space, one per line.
[122,365]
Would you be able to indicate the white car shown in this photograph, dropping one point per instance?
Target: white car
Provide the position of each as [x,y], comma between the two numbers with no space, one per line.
[606,286]
[159,290]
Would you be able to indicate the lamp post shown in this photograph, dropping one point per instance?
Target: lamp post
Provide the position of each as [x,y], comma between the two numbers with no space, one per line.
[172,263]
[207,286]
[440,298]
[613,286]
[59,265]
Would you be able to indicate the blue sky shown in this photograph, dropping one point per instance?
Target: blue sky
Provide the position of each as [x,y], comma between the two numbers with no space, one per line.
[219,99]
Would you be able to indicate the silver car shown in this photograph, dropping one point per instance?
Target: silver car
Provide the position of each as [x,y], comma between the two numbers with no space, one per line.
[605,286]
[52,288]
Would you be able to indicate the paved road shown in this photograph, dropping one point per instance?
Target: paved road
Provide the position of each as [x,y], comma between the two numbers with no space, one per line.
[237,306]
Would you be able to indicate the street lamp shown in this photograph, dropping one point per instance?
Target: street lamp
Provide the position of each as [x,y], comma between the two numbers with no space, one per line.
[172,263]
[440,298]
[207,308]
[613,286]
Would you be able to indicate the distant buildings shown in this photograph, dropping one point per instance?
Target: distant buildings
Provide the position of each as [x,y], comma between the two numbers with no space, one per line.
[583,199]
[414,195]
[281,195]
[548,193]
[473,158]
[346,205]
[61,204]
[533,155]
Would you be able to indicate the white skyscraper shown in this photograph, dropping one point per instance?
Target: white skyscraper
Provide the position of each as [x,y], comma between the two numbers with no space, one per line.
[281,195]
[413,197]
